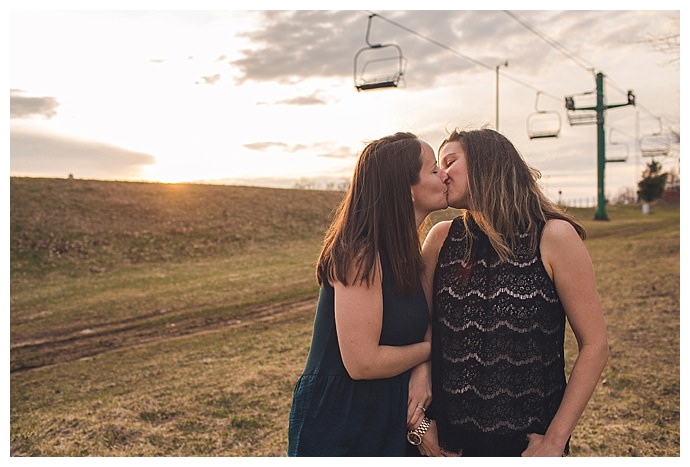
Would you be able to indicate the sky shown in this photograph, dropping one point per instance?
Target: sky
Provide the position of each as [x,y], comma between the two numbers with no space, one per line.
[195,92]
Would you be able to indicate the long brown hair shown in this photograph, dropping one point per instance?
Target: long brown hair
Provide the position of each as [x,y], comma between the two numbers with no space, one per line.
[504,198]
[377,215]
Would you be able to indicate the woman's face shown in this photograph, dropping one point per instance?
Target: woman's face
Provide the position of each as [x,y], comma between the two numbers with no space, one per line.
[453,161]
[429,193]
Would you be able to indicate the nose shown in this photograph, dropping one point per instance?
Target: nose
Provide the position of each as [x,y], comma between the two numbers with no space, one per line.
[444,176]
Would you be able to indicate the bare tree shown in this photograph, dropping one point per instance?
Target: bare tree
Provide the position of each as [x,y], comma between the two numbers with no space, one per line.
[668,43]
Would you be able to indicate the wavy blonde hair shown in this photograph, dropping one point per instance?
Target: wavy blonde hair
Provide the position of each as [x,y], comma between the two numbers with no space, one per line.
[504,198]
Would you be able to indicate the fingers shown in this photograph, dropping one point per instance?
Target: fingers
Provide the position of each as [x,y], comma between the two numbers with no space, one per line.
[415,414]
[410,413]
[429,446]
[451,454]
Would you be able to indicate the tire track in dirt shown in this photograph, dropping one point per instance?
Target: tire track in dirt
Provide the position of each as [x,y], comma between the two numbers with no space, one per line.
[92,341]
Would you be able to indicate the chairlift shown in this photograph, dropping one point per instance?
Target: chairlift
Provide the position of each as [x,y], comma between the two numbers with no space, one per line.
[620,155]
[655,144]
[543,123]
[577,116]
[582,117]
[378,65]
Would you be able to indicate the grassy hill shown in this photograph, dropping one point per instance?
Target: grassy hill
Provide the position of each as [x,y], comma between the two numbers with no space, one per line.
[174,320]
[79,226]
[98,265]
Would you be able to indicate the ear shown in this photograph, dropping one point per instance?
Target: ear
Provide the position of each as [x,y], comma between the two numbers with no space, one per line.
[412,195]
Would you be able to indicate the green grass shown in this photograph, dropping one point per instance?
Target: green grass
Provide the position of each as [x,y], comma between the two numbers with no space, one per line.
[223,393]
[120,348]
[145,260]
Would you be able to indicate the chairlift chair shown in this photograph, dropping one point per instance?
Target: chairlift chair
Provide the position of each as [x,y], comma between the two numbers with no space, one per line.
[577,116]
[582,117]
[543,123]
[378,65]
[655,144]
[622,155]
[380,72]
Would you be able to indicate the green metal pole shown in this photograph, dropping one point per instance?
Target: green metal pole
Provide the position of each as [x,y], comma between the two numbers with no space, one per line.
[601,151]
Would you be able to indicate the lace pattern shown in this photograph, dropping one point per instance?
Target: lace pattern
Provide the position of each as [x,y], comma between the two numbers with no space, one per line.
[498,334]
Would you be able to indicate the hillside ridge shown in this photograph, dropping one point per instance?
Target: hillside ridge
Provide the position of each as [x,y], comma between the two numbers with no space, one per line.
[56,223]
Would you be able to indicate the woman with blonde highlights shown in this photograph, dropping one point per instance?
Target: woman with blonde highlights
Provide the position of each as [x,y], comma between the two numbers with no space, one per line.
[509,272]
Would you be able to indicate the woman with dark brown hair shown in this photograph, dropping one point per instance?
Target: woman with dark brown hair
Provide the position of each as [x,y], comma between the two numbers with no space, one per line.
[372,320]
[509,272]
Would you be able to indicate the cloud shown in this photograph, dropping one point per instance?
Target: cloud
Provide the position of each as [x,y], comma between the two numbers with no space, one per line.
[297,45]
[309,100]
[210,79]
[339,153]
[303,100]
[45,155]
[269,145]
[265,146]
[319,149]
[26,107]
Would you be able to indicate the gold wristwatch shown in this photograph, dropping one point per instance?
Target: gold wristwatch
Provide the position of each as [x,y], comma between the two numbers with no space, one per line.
[415,436]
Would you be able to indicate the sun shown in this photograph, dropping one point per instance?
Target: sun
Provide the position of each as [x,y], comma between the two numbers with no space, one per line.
[169,173]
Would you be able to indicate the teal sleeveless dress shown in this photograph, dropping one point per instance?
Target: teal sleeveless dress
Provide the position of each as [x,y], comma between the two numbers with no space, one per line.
[334,415]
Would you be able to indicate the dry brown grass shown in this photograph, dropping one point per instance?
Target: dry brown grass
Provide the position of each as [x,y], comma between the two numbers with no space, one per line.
[636,409]
[223,386]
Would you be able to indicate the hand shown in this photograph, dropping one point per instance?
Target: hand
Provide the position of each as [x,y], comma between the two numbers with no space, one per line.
[419,396]
[430,447]
[538,446]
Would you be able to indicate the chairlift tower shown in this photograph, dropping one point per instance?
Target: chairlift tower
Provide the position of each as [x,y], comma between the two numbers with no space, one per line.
[600,109]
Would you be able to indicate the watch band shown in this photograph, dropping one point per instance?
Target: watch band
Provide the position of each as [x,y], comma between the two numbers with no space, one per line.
[415,436]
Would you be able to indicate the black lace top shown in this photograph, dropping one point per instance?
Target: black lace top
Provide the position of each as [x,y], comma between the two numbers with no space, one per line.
[498,332]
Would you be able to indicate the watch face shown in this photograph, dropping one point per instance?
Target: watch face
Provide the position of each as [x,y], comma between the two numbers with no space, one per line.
[414,438]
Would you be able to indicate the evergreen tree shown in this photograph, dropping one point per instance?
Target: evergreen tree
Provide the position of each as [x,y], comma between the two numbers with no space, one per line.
[653,182]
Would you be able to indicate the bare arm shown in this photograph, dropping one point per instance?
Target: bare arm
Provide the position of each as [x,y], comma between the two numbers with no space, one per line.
[430,250]
[568,263]
[358,321]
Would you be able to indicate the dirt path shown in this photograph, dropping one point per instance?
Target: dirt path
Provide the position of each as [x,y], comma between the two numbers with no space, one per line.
[87,342]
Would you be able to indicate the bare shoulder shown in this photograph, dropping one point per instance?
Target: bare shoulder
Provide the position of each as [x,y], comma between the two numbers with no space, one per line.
[437,235]
[561,244]
[559,230]
[440,229]
[355,273]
